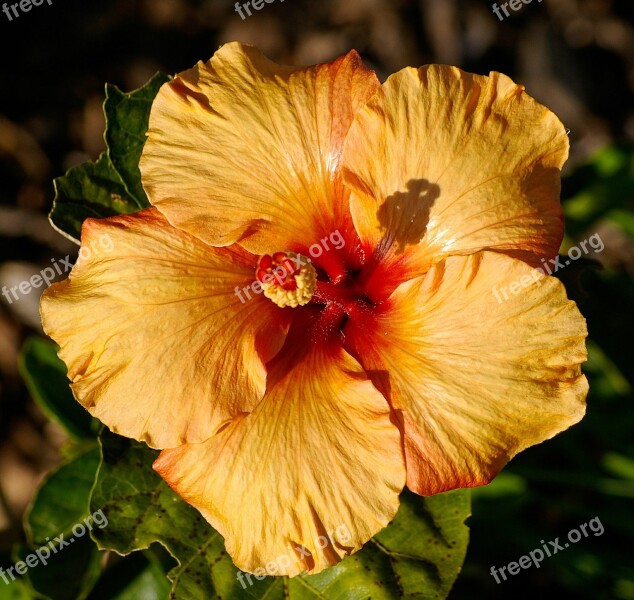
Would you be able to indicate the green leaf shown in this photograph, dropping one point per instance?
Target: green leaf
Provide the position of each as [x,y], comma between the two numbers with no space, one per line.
[89,190]
[623,219]
[126,123]
[57,524]
[112,185]
[142,509]
[135,577]
[419,554]
[62,499]
[608,379]
[14,590]
[603,185]
[619,465]
[68,575]
[45,377]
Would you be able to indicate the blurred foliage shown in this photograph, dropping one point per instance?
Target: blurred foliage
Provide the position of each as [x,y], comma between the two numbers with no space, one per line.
[45,376]
[601,189]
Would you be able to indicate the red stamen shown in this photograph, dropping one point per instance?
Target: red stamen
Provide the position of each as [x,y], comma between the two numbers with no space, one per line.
[289,266]
[265,262]
[278,269]
[279,257]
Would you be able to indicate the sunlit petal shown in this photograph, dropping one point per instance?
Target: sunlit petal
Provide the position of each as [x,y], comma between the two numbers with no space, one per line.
[476,379]
[241,149]
[445,162]
[157,344]
[318,457]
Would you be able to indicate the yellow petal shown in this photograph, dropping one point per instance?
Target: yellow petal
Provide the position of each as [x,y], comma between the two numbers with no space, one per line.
[445,162]
[158,346]
[240,146]
[318,457]
[477,379]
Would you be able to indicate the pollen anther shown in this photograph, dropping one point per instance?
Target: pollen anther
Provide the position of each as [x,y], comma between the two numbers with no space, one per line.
[287,278]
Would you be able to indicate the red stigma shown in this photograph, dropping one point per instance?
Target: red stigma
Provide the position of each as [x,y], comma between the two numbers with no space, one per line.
[279,269]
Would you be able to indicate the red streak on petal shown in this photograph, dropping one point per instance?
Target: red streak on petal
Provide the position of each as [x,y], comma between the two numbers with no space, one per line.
[333,264]
[326,327]
[380,278]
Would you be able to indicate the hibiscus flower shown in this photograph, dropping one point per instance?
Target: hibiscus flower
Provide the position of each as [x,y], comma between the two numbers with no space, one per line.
[303,411]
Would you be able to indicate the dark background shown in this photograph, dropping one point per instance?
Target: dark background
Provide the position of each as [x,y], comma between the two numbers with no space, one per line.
[575,56]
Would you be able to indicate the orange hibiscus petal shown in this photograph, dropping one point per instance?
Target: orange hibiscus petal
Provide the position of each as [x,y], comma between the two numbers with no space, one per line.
[477,380]
[444,162]
[306,478]
[240,147]
[158,346]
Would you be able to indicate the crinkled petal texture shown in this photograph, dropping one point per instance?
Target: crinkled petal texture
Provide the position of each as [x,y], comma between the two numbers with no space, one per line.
[241,149]
[476,380]
[445,162]
[319,456]
[157,345]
